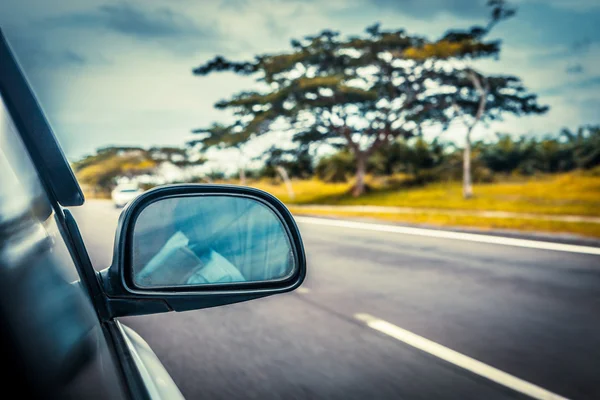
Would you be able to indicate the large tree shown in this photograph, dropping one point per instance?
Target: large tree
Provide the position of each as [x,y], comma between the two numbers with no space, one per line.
[469,96]
[361,90]
[480,98]
[369,90]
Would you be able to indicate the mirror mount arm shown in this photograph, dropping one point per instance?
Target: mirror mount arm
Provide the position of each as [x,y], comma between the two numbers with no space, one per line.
[121,304]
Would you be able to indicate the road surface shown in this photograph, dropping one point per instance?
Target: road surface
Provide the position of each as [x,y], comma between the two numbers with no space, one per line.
[528,313]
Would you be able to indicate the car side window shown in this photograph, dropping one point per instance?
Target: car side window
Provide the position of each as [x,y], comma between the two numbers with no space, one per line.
[22,194]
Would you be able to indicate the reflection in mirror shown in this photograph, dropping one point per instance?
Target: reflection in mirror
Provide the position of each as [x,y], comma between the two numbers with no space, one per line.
[210,239]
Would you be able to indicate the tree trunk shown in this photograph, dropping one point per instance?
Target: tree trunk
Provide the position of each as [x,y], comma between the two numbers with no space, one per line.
[467,180]
[286,179]
[483,91]
[361,167]
[242,176]
[242,167]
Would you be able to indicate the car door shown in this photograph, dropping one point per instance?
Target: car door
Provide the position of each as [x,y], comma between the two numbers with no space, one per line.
[53,335]
[51,331]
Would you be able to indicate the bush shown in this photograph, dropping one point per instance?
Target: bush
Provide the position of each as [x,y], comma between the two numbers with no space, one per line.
[336,167]
[437,161]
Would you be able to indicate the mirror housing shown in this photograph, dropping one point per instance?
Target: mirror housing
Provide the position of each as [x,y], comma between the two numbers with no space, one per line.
[125,297]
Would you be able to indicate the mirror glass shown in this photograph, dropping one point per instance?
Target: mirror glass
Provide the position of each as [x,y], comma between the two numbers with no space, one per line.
[209,239]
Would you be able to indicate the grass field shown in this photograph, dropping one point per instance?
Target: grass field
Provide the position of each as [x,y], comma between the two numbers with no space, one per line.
[591,230]
[565,194]
[574,193]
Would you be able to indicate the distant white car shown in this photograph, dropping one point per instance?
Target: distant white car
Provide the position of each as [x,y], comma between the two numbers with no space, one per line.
[123,194]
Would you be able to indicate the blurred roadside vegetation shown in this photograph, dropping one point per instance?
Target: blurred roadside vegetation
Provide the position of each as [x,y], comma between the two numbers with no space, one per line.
[538,201]
[573,193]
[421,161]
[99,173]
[551,175]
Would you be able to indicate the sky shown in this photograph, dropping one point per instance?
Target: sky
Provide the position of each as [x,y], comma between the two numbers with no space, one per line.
[120,72]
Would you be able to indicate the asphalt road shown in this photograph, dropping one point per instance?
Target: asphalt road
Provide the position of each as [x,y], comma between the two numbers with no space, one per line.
[533,314]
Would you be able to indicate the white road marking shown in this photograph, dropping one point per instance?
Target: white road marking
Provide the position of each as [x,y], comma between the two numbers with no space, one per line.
[473,237]
[303,290]
[458,359]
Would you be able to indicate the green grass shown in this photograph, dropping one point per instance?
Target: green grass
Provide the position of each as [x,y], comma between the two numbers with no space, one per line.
[565,194]
[574,193]
[465,221]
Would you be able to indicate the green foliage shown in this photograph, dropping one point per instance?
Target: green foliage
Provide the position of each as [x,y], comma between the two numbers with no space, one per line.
[439,161]
[101,170]
[298,163]
[407,156]
[218,135]
[326,86]
[174,155]
[418,160]
[336,167]
[563,152]
[215,175]
[585,146]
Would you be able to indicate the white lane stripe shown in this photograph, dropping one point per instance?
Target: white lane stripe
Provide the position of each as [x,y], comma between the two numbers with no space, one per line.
[303,290]
[458,359]
[532,244]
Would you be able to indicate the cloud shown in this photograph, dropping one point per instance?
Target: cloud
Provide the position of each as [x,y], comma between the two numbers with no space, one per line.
[275,27]
[591,83]
[431,9]
[582,46]
[574,69]
[544,24]
[33,55]
[580,5]
[239,5]
[160,25]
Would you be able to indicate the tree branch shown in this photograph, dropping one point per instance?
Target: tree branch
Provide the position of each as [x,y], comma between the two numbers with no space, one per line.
[483,92]
[379,141]
[345,132]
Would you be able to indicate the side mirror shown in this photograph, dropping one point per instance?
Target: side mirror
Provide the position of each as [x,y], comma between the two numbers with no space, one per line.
[185,247]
